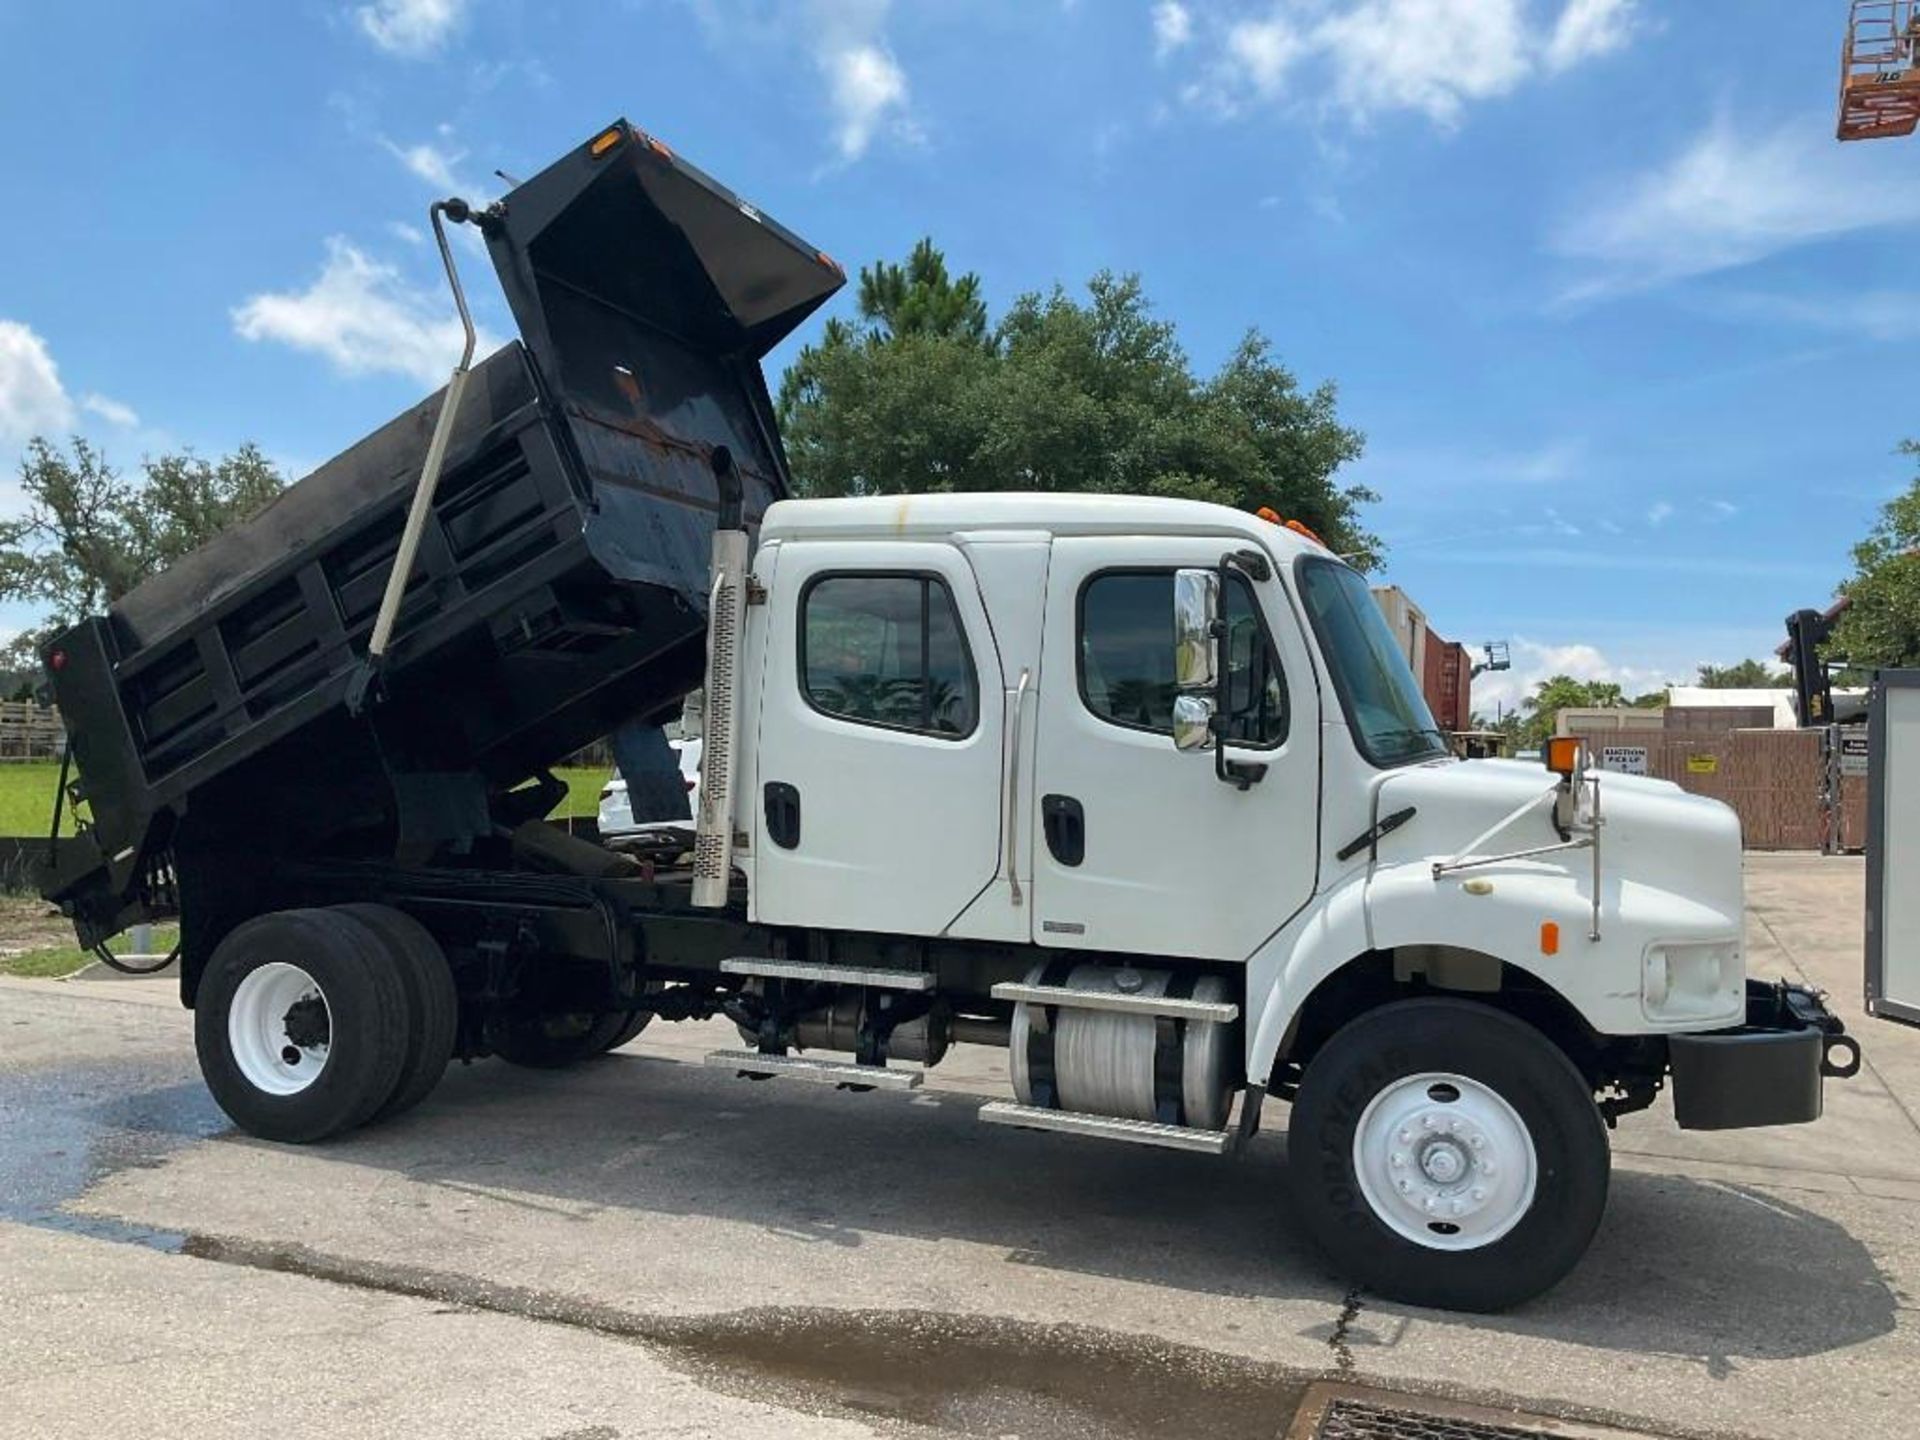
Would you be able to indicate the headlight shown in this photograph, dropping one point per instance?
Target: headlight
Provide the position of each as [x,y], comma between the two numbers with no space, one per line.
[1693,981]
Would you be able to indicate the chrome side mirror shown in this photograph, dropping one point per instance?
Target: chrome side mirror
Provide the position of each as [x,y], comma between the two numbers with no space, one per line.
[1193,722]
[1196,616]
[1196,610]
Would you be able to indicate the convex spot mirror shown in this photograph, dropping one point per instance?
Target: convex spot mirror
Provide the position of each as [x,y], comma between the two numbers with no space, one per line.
[1196,615]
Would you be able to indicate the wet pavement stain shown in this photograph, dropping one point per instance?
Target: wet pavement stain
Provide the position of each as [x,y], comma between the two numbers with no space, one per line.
[68,1127]
[964,1375]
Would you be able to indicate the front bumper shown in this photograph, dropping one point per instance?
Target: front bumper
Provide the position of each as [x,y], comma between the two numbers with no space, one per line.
[1767,1072]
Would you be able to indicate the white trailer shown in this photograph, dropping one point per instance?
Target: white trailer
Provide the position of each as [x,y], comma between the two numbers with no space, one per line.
[1893,846]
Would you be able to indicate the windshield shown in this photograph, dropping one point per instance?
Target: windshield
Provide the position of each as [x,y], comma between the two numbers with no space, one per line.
[1385,710]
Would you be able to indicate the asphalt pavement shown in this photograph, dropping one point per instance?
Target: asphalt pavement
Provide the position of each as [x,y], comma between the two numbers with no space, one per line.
[644,1246]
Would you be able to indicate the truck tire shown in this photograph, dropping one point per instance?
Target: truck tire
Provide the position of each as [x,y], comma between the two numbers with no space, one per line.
[431,999]
[636,1021]
[301,1024]
[1444,1153]
[555,1041]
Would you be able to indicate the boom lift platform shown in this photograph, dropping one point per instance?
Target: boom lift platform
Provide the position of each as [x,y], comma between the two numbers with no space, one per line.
[1879,79]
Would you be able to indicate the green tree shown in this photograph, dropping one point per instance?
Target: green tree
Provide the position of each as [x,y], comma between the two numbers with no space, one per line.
[1542,709]
[90,533]
[1063,394]
[921,298]
[1881,624]
[1743,675]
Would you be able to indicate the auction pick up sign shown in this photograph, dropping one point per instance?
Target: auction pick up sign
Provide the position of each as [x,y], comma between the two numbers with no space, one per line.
[1625,759]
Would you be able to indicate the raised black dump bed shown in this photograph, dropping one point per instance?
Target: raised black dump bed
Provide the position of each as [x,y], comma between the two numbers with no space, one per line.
[560,586]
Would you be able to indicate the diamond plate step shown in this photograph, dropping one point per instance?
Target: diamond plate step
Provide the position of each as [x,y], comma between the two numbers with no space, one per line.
[821,1072]
[767,969]
[1107,1127]
[1176,1008]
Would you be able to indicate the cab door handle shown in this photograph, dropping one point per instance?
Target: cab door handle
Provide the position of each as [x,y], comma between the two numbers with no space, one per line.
[1065,824]
[783,814]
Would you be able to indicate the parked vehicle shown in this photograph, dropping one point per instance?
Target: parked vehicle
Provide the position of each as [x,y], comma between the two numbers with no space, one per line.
[1140,790]
[616,824]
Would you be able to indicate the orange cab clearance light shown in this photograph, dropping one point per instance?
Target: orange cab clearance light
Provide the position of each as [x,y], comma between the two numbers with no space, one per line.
[1562,755]
[603,142]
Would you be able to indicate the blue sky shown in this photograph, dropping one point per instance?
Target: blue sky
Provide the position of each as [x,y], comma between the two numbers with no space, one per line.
[1630,335]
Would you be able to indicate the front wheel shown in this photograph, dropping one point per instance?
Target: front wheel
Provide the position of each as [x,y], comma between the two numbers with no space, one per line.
[1447,1154]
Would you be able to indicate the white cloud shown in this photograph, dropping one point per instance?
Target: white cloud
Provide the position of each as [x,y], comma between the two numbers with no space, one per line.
[112,411]
[867,91]
[1429,56]
[1891,316]
[1724,509]
[1534,661]
[1659,513]
[1588,29]
[1172,27]
[1262,51]
[868,94]
[1362,58]
[412,234]
[865,86]
[414,28]
[430,162]
[1730,197]
[32,399]
[363,316]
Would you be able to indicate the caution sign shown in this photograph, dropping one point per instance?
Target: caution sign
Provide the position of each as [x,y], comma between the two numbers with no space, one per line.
[1703,764]
[1624,759]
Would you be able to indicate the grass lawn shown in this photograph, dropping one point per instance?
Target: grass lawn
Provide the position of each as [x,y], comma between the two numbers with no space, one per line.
[583,793]
[26,796]
[61,960]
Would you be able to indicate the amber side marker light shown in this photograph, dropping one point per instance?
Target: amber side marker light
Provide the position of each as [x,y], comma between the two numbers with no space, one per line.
[603,142]
[1563,755]
[1273,517]
[1549,938]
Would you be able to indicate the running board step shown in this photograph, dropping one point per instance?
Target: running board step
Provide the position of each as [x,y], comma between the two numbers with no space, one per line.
[822,1072]
[769,969]
[1173,1007]
[1108,1127]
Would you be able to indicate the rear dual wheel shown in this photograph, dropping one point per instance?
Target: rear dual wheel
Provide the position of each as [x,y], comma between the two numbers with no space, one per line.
[311,1022]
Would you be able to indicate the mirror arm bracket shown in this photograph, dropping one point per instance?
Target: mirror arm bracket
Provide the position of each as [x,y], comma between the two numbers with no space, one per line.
[1241,774]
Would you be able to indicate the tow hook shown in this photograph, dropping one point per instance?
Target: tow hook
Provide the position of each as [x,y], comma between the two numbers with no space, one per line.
[1807,1007]
[1846,1068]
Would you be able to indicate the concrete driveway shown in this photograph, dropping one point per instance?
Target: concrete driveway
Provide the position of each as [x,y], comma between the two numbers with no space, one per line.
[643,1246]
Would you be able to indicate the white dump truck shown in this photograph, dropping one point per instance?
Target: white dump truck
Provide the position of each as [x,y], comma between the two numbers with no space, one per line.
[1139,790]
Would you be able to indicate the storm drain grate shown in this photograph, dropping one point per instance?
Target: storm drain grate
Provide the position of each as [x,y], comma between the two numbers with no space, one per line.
[1357,1412]
[1357,1420]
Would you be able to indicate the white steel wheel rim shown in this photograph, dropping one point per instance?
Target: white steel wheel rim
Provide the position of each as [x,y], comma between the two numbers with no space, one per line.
[1445,1161]
[271,1028]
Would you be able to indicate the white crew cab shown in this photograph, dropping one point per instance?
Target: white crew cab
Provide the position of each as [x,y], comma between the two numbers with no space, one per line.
[1167,757]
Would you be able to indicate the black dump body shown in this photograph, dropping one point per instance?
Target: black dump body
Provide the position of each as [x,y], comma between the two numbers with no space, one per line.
[560,588]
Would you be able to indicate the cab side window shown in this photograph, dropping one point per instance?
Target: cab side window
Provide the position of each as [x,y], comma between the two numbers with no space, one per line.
[1126,657]
[888,650]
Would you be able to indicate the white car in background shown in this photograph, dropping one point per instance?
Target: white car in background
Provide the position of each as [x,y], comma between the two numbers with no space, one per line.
[617,825]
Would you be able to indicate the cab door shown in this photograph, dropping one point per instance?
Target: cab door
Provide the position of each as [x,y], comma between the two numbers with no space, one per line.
[878,773]
[1142,849]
